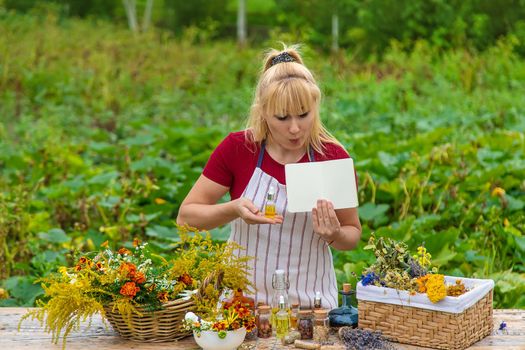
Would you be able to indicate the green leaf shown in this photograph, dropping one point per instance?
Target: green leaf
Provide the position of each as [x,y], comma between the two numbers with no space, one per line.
[55,235]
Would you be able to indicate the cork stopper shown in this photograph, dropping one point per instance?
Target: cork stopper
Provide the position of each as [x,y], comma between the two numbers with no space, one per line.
[305,312]
[321,313]
[295,305]
[347,287]
[264,309]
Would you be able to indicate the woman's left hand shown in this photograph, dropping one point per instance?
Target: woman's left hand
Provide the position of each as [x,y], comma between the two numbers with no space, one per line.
[325,221]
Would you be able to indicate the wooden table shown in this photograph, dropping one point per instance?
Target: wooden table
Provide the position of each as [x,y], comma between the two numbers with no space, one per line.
[32,336]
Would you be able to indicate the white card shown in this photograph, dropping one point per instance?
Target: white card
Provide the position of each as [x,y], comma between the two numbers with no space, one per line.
[333,180]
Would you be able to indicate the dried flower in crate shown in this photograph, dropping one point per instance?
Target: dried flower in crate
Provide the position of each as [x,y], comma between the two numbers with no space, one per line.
[362,339]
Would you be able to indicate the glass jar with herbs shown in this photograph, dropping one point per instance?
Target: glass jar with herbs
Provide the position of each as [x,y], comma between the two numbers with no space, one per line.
[305,324]
[264,326]
[321,326]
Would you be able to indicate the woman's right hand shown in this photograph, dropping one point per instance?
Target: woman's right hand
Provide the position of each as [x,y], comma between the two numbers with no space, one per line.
[249,212]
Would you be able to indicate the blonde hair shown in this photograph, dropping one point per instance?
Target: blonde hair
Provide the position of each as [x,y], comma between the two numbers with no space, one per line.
[287,88]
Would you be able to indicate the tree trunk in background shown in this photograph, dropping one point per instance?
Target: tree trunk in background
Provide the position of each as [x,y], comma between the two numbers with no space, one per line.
[241,23]
[335,33]
[131,13]
[147,15]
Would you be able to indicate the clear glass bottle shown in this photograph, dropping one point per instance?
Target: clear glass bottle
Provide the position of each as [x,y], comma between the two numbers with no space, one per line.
[264,326]
[294,314]
[282,320]
[280,288]
[269,207]
[321,326]
[305,324]
[346,314]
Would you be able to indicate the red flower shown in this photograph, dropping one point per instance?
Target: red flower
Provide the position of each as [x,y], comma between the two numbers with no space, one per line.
[129,289]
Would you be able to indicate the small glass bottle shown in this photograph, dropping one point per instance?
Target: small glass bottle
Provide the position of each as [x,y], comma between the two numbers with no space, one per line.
[294,315]
[317,301]
[321,326]
[264,326]
[305,324]
[280,288]
[282,320]
[269,207]
[346,315]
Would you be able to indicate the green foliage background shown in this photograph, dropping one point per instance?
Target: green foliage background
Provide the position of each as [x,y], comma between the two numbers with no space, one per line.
[102,133]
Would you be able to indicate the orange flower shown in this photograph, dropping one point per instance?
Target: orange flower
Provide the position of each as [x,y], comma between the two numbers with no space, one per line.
[235,325]
[136,242]
[186,279]
[139,278]
[83,260]
[250,324]
[124,251]
[163,296]
[219,326]
[128,269]
[78,268]
[105,244]
[99,266]
[421,282]
[129,289]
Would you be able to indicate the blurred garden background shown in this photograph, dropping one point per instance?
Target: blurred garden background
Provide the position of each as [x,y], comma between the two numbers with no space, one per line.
[109,109]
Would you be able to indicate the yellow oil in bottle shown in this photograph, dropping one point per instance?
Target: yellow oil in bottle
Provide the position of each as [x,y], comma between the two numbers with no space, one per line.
[282,320]
[269,207]
[269,210]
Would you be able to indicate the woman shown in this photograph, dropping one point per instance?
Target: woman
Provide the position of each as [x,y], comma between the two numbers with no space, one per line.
[284,127]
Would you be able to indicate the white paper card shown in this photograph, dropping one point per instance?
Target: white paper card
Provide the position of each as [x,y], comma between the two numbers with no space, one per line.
[333,180]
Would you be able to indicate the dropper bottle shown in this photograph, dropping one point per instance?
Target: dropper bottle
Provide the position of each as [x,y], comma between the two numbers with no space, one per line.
[269,207]
[282,319]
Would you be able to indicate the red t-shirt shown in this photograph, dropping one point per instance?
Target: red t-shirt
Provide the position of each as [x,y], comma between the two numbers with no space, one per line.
[233,161]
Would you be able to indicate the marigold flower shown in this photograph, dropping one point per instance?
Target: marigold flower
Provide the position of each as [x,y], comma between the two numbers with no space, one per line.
[78,268]
[186,279]
[163,296]
[139,278]
[82,260]
[219,326]
[105,244]
[129,289]
[99,266]
[136,242]
[128,269]
[124,251]
[235,325]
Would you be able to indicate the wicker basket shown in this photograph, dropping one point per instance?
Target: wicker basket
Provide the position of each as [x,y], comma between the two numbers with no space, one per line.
[157,326]
[161,325]
[429,328]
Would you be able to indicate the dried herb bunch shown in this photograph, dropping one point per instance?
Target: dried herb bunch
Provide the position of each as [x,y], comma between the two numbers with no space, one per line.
[396,268]
[362,339]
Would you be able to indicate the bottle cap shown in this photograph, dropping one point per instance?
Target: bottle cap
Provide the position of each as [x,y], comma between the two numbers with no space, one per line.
[317,295]
[305,312]
[295,305]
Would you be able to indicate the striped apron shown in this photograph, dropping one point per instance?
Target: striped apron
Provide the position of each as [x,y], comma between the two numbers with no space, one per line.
[292,246]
